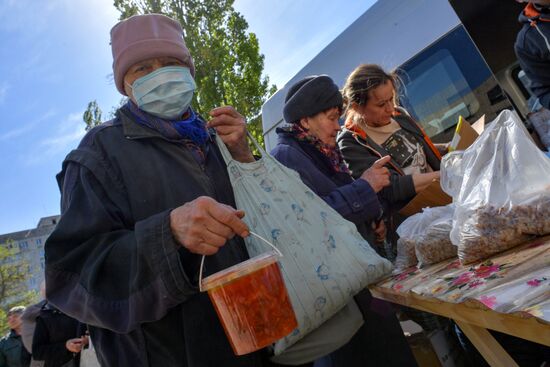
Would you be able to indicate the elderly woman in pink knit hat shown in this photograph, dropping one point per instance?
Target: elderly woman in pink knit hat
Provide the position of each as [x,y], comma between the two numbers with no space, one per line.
[143,197]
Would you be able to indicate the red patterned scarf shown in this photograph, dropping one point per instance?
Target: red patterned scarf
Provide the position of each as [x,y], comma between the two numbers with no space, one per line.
[331,152]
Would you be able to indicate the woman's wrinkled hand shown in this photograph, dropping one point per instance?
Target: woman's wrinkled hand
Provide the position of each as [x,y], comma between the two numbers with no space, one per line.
[231,128]
[203,225]
[378,176]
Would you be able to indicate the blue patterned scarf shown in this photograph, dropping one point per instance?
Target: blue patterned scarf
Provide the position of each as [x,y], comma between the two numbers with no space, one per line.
[193,128]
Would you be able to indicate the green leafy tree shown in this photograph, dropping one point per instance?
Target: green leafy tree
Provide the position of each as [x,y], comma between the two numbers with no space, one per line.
[227,58]
[13,276]
[92,115]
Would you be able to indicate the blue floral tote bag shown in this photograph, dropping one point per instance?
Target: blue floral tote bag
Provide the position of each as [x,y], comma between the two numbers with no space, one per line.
[325,260]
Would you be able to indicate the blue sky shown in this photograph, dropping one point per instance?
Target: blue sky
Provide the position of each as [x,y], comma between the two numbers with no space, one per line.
[55,58]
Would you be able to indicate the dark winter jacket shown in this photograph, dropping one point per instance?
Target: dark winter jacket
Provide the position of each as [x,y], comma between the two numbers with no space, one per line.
[12,352]
[533,50]
[360,153]
[53,329]
[354,200]
[112,261]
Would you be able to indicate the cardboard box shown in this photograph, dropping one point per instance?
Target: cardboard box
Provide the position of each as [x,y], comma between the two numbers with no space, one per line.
[420,345]
[431,196]
[433,349]
[423,351]
[466,134]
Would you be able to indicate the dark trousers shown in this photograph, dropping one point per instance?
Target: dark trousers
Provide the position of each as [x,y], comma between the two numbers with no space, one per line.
[379,342]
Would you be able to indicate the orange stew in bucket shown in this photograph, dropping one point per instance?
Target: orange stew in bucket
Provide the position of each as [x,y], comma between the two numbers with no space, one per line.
[252,303]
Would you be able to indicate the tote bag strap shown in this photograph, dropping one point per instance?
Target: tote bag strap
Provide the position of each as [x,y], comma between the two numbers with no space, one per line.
[225,152]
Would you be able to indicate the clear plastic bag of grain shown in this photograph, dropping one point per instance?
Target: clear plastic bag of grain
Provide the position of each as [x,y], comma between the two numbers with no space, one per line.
[406,254]
[504,194]
[411,232]
[435,244]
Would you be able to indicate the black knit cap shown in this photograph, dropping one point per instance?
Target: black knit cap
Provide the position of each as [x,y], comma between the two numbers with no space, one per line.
[310,96]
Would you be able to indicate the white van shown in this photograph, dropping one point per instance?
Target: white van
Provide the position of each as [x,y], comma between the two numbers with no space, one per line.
[455,57]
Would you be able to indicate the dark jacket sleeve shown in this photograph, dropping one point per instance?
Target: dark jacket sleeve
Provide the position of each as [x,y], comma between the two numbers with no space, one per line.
[534,59]
[3,359]
[357,202]
[42,347]
[101,267]
[359,159]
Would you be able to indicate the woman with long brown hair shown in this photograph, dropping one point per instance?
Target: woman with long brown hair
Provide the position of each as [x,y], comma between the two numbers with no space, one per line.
[375,127]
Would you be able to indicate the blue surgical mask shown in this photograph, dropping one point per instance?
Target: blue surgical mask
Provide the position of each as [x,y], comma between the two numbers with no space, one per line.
[166,92]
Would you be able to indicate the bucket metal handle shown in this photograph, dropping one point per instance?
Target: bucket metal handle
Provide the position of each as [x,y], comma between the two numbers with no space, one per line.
[252,233]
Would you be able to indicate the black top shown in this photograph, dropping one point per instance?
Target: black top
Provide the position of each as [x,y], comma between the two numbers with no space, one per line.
[53,329]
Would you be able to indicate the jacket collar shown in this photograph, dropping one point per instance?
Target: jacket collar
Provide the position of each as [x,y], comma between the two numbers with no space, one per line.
[531,14]
[283,136]
[356,130]
[405,122]
[13,334]
[321,161]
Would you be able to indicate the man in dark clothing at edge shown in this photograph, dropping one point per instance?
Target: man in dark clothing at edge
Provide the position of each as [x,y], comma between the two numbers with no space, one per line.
[143,197]
[12,351]
[533,47]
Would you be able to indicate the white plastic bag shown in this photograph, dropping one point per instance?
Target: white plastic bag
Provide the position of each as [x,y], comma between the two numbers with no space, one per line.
[504,192]
[326,261]
[88,357]
[451,173]
[434,245]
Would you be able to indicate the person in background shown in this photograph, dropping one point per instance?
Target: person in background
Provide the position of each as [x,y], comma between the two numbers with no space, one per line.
[533,47]
[58,338]
[28,324]
[374,128]
[143,197]
[12,352]
[307,144]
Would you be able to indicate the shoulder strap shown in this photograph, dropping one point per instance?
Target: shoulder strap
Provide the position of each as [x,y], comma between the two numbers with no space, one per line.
[227,157]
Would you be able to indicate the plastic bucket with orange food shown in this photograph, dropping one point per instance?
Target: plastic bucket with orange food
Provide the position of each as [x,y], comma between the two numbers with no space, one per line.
[252,302]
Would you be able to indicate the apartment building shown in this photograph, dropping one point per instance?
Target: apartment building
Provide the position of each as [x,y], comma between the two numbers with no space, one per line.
[28,251]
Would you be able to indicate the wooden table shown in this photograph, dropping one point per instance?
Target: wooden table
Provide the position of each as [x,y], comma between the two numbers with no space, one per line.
[509,293]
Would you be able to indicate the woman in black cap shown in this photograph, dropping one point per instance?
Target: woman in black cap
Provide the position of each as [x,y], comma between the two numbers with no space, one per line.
[308,145]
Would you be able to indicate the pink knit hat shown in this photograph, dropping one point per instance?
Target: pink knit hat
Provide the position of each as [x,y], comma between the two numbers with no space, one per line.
[142,37]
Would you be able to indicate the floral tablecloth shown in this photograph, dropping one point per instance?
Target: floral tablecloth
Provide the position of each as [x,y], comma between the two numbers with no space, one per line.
[517,281]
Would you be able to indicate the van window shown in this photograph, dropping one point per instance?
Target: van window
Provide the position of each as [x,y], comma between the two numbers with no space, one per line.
[448,79]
